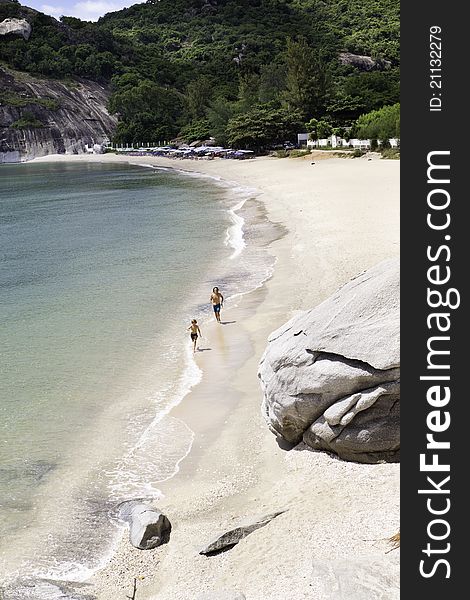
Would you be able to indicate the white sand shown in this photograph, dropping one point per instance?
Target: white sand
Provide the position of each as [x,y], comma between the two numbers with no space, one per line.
[342,216]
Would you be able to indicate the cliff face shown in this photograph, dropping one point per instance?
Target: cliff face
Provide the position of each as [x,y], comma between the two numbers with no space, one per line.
[40,117]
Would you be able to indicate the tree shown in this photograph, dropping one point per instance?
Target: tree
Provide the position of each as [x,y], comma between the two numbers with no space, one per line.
[319,129]
[72,22]
[198,96]
[272,82]
[217,58]
[345,108]
[374,89]
[379,124]
[150,112]
[196,130]
[324,129]
[312,127]
[219,114]
[99,66]
[263,127]
[248,91]
[307,80]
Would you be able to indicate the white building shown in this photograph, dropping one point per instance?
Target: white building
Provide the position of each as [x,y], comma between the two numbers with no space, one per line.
[336,142]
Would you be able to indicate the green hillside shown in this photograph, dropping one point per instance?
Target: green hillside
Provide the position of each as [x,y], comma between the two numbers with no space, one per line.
[206,67]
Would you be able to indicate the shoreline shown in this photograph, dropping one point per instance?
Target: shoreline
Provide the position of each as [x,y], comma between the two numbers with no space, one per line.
[233,240]
[189,376]
[238,470]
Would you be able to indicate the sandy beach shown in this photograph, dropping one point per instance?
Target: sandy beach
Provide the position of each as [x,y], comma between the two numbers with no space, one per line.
[338,217]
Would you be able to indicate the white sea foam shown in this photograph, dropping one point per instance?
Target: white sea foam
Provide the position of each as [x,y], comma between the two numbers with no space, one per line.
[235,237]
[160,449]
[66,571]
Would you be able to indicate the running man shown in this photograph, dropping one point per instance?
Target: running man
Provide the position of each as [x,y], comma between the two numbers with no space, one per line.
[217,301]
[195,332]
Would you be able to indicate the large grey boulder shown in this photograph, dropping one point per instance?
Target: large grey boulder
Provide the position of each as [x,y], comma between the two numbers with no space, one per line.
[15,27]
[148,527]
[363,63]
[330,375]
[228,539]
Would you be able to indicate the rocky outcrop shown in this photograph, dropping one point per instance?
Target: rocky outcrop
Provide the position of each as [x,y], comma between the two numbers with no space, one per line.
[40,117]
[330,376]
[19,27]
[230,538]
[148,527]
[363,63]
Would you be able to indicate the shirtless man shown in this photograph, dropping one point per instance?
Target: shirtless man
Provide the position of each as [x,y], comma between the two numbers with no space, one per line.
[217,301]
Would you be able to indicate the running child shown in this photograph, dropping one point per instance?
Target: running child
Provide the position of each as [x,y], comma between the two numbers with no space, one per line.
[195,332]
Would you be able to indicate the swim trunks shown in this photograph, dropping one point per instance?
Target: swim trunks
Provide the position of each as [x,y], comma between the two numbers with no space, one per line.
[216,307]
[194,336]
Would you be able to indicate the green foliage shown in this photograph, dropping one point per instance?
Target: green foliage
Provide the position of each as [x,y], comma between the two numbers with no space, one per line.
[379,124]
[248,91]
[27,121]
[272,82]
[373,90]
[344,108]
[147,112]
[262,127]
[370,27]
[311,128]
[324,129]
[72,22]
[318,129]
[219,114]
[198,97]
[49,103]
[307,80]
[12,99]
[196,130]
[211,61]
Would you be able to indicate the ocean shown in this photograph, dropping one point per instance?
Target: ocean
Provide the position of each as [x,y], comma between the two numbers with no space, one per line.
[102,268]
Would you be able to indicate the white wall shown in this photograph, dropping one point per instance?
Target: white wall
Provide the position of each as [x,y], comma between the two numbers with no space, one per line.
[336,142]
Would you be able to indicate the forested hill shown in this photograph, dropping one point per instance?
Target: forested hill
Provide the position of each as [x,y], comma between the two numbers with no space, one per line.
[211,67]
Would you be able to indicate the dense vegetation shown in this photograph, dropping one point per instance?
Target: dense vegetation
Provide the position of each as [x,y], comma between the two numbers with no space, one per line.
[249,72]
[379,124]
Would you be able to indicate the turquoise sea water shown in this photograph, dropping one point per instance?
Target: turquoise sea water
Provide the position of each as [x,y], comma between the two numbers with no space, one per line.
[101,268]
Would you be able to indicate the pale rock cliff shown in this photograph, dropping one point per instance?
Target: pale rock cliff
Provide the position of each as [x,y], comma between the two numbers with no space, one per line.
[40,117]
